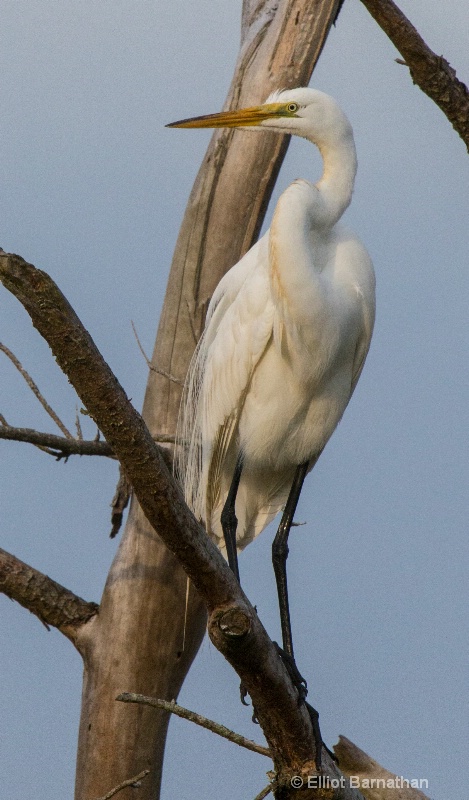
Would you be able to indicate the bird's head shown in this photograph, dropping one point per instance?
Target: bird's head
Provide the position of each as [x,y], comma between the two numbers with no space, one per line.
[302,112]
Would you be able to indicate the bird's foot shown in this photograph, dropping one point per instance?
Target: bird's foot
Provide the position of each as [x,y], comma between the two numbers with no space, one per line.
[243,693]
[302,688]
[318,742]
[295,675]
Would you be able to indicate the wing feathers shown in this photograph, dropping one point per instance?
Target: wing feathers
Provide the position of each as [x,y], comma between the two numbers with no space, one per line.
[218,379]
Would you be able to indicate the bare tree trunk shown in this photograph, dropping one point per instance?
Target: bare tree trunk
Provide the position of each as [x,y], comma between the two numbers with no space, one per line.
[135,642]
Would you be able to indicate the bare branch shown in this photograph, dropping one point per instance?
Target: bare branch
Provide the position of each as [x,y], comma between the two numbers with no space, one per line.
[265,791]
[376,782]
[173,708]
[49,601]
[78,426]
[58,446]
[134,782]
[430,72]
[152,366]
[234,626]
[164,438]
[34,388]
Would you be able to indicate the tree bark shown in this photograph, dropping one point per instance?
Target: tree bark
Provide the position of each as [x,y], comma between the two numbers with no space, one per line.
[135,643]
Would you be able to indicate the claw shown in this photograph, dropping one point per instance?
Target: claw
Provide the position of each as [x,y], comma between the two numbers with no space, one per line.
[243,693]
[302,688]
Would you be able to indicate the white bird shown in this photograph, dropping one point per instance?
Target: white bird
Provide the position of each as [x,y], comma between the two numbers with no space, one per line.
[286,336]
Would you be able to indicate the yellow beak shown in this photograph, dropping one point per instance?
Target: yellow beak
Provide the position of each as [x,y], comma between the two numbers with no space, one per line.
[243,117]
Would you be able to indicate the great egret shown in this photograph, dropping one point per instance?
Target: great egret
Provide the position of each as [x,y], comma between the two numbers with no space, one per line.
[286,336]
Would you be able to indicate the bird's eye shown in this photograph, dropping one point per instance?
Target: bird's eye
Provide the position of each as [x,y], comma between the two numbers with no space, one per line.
[292,107]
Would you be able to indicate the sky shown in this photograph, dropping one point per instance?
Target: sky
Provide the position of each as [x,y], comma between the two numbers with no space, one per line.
[92,189]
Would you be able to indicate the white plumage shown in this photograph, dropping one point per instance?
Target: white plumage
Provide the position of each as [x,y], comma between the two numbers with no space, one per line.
[286,335]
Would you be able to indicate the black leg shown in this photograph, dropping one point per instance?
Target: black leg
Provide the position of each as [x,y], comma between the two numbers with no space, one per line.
[280,555]
[229,520]
[279,559]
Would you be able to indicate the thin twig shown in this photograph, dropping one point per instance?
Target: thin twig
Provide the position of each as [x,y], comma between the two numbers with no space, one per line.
[78,426]
[61,447]
[166,375]
[57,446]
[165,438]
[34,388]
[134,782]
[265,791]
[173,708]
[140,346]
[152,366]
[9,432]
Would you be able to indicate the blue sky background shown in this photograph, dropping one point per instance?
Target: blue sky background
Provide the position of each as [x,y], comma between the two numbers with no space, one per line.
[92,189]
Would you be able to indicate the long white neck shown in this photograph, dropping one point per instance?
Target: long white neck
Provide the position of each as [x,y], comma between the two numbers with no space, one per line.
[336,184]
[303,220]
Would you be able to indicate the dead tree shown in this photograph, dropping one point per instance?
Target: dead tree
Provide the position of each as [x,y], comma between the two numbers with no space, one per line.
[133,641]
[141,614]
